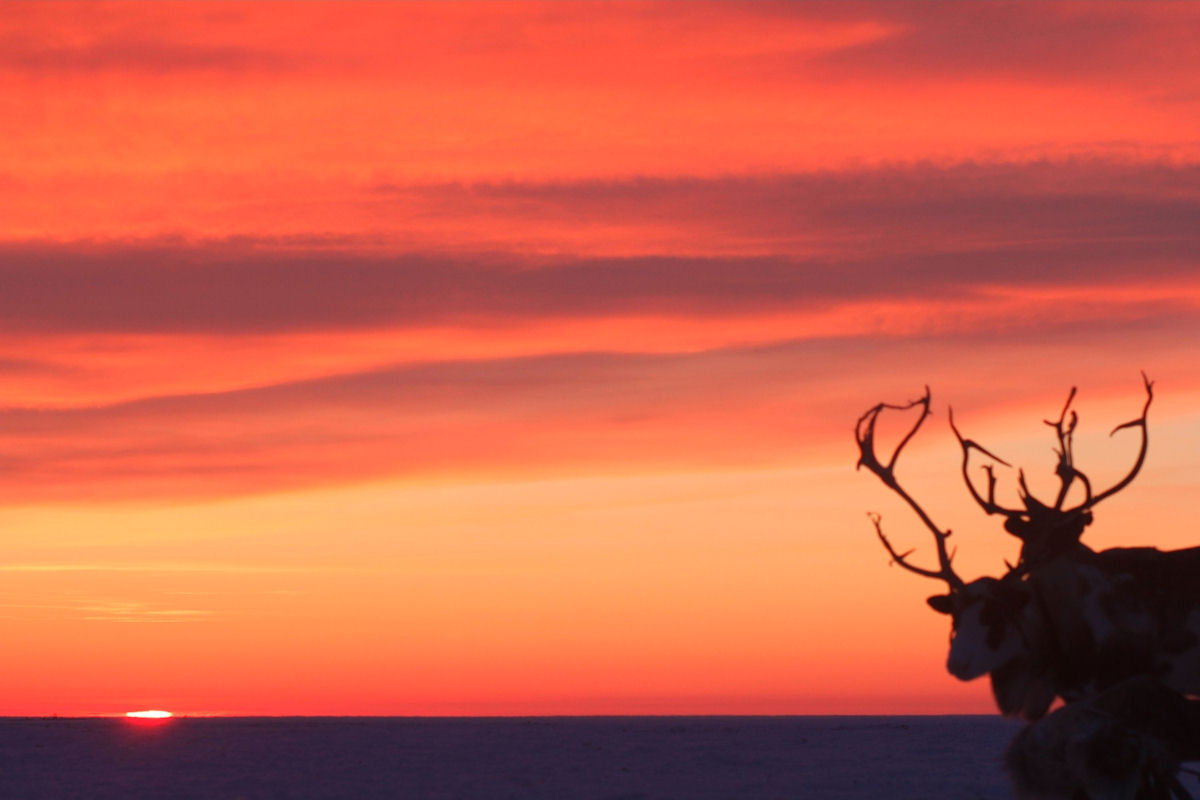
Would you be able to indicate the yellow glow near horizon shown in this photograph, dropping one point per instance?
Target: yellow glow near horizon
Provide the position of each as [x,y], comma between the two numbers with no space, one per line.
[150,714]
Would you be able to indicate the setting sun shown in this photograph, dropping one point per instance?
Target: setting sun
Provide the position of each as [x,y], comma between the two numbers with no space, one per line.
[150,714]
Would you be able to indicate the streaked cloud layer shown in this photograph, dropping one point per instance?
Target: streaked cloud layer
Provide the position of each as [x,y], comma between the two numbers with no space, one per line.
[257,256]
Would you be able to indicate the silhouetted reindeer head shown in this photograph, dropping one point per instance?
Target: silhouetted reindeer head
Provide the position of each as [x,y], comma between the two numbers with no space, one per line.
[997,628]
[1044,530]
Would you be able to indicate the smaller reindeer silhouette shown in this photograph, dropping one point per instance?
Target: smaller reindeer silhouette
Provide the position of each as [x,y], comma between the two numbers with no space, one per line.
[1044,530]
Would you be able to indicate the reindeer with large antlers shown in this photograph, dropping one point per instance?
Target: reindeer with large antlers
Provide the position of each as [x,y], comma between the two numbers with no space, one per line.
[1046,531]
[1115,634]
[1065,621]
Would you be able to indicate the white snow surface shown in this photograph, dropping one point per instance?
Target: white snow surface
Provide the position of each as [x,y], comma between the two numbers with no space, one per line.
[559,758]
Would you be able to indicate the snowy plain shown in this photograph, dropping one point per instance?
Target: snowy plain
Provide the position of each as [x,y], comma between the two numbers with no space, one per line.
[544,758]
[550,758]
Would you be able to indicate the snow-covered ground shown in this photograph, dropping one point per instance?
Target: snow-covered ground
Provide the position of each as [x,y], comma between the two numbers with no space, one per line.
[740,758]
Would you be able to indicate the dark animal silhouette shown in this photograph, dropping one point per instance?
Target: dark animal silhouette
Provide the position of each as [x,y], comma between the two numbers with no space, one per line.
[1115,634]
[1065,621]
[1078,624]
[1126,743]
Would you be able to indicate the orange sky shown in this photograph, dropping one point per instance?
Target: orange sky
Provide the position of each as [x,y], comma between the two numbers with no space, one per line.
[504,358]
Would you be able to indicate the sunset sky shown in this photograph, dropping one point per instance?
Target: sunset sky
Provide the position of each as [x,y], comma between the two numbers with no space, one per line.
[504,358]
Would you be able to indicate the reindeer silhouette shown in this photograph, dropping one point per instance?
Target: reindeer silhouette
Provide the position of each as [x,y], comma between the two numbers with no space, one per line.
[1065,621]
[1115,634]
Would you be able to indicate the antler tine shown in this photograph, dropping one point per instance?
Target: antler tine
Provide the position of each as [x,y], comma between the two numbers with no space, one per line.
[1065,470]
[1140,422]
[946,573]
[989,505]
[864,433]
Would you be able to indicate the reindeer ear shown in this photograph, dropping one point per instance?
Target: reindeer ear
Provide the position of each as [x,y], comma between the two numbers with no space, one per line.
[1017,527]
[941,603]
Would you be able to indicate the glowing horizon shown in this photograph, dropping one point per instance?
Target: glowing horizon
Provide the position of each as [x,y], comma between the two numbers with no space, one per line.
[149,714]
[504,358]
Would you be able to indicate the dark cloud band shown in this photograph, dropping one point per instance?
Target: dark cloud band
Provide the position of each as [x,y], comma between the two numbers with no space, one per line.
[883,234]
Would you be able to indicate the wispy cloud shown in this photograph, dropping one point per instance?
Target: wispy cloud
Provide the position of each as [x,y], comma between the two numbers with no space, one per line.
[117,611]
[105,611]
[130,54]
[648,357]
[583,411]
[170,567]
[1124,42]
[916,232]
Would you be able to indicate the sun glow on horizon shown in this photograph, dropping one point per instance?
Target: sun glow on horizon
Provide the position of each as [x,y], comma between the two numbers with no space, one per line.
[149,714]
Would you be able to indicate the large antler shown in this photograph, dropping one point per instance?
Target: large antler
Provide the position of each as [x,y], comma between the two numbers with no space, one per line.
[1140,422]
[864,433]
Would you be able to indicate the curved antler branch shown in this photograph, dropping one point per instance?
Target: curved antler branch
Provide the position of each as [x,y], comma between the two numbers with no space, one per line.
[901,559]
[1140,422]
[1065,469]
[989,505]
[864,434]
